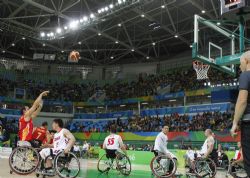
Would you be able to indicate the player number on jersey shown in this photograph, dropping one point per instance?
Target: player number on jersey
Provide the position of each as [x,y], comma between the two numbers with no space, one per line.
[111,141]
[38,135]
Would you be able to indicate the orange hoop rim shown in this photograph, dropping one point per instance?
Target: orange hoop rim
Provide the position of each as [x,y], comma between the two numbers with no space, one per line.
[200,64]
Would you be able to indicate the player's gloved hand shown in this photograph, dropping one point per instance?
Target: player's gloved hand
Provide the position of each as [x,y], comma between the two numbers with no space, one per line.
[66,151]
[204,156]
[168,155]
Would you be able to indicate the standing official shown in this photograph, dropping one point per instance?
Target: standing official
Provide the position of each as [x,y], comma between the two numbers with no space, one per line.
[242,109]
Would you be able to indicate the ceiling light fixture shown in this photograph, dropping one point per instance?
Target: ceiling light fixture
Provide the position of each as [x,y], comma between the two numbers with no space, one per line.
[58,30]
[42,34]
[111,6]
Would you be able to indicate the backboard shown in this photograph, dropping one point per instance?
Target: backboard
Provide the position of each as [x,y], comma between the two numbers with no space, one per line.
[218,43]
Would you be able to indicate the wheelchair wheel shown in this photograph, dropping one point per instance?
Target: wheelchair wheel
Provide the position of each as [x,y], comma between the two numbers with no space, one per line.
[43,165]
[24,160]
[224,162]
[205,168]
[163,167]
[67,165]
[237,171]
[123,164]
[104,164]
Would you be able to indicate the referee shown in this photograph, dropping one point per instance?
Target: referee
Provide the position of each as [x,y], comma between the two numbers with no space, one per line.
[242,109]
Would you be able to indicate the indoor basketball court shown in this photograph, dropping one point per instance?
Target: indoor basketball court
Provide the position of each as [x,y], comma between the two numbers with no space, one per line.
[124,88]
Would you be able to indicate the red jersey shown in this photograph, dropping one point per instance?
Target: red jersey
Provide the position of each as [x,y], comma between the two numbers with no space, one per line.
[46,141]
[25,129]
[39,134]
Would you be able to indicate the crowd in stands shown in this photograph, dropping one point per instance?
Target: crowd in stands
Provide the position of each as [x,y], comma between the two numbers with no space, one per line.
[216,121]
[176,80]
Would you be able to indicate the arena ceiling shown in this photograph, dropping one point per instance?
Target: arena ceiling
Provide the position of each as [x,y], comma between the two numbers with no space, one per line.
[137,31]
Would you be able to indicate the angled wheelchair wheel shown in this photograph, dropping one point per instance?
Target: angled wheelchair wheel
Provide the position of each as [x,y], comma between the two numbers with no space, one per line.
[163,167]
[24,160]
[205,168]
[67,165]
[123,164]
[237,171]
[104,164]
[42,166]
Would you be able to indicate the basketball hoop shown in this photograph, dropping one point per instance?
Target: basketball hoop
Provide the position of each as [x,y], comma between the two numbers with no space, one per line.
[201,70]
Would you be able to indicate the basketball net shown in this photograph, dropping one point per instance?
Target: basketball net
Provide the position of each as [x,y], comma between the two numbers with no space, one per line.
[201,70]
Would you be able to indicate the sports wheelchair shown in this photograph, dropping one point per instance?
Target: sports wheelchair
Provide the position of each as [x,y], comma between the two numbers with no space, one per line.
[25,160]
[118,161]
[163,166]
[236,171]
[223,162]
[203,167]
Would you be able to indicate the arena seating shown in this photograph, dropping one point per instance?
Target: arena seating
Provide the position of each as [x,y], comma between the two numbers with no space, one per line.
[216,121]
[146,86]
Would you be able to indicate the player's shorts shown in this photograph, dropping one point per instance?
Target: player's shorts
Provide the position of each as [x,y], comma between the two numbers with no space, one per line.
[44,153]
[111,154]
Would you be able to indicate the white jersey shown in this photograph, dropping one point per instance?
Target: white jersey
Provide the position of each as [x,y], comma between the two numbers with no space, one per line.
[60,141]
[112,142]
[161,143]
[205,145]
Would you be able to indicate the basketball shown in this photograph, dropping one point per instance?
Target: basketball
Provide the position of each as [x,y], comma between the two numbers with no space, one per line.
[74,55]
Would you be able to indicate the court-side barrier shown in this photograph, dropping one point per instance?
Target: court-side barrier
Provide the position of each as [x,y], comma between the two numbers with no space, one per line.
[145,157]
[150,136]
[5,152]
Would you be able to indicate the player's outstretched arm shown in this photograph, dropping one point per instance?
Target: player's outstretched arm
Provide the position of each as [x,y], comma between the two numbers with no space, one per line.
[37,111]
[36,103]
[71,138]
